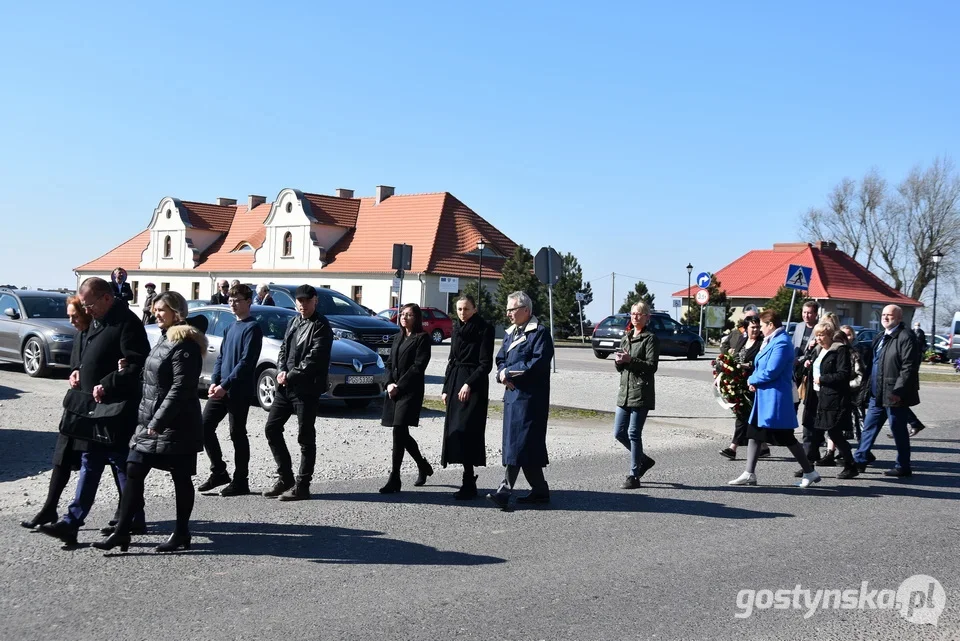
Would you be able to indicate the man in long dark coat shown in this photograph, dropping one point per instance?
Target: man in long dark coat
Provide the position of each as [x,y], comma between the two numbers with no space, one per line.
[523,368]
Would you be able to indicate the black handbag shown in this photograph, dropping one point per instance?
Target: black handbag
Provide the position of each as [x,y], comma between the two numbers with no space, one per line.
[83,417]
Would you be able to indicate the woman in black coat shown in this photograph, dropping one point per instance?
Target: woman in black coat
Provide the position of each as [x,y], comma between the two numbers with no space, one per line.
[169,430]
[831,373]
[406,368]
[747,354]
[466,393]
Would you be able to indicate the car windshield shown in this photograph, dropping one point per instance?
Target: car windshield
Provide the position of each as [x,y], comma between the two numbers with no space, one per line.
[45,307]
[273,323]
[614,321]
[332,303]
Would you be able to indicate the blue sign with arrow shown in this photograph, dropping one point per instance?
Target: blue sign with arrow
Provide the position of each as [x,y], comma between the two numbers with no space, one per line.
[703,280]
[798,277]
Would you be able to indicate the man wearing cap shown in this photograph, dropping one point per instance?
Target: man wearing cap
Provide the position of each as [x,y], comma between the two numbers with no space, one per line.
[222,295]
[301,378]
[148,317]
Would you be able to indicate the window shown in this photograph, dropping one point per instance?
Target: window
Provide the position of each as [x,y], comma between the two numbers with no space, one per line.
[211,316]
[394,299]
[273,322]
[167,247]
[168,214]
[283,299]
[613,322]
[358,294]
[135,286]
[244,247]
[670,325]
[438,315]
[324,286]
[9,302]
[224,321]
[288,244]
[43,307]
[164,287]
[195,290]
[875,319]
[289,207]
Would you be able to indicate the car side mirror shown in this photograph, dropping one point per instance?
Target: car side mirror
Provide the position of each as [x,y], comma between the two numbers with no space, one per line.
[11,313]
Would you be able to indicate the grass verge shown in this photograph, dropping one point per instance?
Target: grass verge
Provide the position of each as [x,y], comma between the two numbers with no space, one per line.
[557,412]
[927,377]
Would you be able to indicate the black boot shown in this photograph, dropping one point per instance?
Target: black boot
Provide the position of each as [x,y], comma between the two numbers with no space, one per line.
[468,490]
[175,542]
[281,486]
[425,470]
[112,541]
[43,517]
[393,484]
[61,530]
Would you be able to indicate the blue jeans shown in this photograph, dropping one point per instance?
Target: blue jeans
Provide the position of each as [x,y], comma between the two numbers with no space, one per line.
[628,428]
[873,421]
[92,465]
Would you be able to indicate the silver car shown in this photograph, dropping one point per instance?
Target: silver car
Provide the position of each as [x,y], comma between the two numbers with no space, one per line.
[357,374]
[34,330]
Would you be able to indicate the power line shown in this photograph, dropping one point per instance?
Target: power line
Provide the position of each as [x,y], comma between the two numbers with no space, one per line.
[646,280]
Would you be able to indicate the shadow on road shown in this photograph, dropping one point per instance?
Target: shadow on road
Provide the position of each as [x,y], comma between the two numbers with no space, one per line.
[25,453]
[9,393]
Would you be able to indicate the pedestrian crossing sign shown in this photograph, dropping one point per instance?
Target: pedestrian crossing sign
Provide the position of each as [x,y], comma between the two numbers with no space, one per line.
[798,277]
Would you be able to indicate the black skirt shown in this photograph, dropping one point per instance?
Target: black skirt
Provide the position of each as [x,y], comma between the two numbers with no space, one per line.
[66,452]
[782,437]
[181,464]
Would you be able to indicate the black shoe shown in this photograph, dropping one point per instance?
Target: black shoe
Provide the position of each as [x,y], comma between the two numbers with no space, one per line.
[645,466]
[299,492]
[214,481]
[916,428]
[468,490]
[631,483]
[798,474]
[138,530]
[829,460]
[393,484]
[40,519]
[729,453]
[112,541]
[899,472]
[862,467]
[281,486]
[848,472]
[764,453]
[425,471]
[502,501]
[61,530]
[889,434]
[235,488]
[175,542]
[533,498]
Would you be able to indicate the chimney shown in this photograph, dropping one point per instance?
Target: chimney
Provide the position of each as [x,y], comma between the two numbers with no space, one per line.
[826,244]
[255,201]
[383,192]
[226,202]
[344,193]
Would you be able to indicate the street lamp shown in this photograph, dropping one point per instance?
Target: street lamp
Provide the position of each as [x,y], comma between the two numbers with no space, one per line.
[481,244]
[937,257]
[689,302]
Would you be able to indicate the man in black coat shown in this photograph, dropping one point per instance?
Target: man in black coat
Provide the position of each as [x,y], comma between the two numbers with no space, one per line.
[222,295]
[894,389]
[302,367]
[116,333]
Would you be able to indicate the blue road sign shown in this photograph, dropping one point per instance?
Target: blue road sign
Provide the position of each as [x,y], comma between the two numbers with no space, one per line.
[703,280]
[798,277]
[677,302]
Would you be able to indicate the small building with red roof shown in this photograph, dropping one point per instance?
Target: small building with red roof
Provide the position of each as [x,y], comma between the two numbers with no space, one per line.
[838,283]
[341,242]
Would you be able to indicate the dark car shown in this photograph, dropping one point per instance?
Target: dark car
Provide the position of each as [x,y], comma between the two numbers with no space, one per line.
[674,339]
[435,322]
[34,330]
[866,336]
[348,319]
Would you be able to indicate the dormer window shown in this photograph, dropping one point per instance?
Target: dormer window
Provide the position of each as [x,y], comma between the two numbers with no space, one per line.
[288,244]
[167,247]
[243,247]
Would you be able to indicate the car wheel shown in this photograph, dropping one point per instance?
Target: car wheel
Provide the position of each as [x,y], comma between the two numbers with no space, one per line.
[600,354]
[267,388]
[35,358]
[357,403]
[693,352]
[437,336]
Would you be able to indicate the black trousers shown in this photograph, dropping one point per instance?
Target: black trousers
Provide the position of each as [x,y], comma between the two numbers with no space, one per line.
[132,503]
[214,412]
[812,442]
[285,405]
[533,474]
[843,446]
[740,430]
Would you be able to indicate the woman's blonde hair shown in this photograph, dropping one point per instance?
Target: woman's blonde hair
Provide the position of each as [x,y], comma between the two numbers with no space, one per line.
[174,301]
[641,306]
[825,327]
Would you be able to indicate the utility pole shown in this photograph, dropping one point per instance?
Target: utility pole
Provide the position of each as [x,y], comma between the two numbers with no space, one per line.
[613,282]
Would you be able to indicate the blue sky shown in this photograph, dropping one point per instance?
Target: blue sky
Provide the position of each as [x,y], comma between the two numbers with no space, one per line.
[637,136]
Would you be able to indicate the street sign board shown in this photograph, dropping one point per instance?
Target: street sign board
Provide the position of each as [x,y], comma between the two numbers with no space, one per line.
[580,297]
[548,266]
[702,297]
[798,277]
[402,256]
[703,280]
[449,284]
[395,286]
[715,315]
[677,302]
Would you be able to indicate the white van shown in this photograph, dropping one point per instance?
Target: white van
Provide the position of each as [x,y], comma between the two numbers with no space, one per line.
[953,342]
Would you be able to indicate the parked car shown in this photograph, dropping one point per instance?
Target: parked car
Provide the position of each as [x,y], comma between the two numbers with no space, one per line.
[953,343]
[357,374]
[435,322]
[199,302]
[674,339]
[348,319]
[34,330]
[867,336]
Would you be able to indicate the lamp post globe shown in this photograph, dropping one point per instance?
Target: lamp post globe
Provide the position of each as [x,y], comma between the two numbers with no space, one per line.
[937,257]
[481,245]
[689,300]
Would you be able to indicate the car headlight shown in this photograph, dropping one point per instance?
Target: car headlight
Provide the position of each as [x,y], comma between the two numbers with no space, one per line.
[380,362]
[61,338]
[344,333]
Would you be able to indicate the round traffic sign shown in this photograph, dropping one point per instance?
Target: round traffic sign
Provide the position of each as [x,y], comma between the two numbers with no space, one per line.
[702,297]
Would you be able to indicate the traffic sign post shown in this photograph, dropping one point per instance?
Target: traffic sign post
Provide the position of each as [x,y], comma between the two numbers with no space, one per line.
[703,280]
[402,260]
[548,267]
[798,278]
[702,298]
[580,297]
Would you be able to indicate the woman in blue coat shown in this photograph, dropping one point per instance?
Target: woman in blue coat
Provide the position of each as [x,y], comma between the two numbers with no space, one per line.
[523,368]
[773,417]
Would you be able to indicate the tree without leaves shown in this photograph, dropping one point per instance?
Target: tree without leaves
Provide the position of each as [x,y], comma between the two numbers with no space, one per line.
[639,292]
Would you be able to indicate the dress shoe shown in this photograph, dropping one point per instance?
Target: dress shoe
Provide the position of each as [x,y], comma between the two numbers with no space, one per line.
[61,530]
[744,479]
[468,490]
[501,500]
[235,488]
[765,452]
[829,460]
[175,542]
[809,479]
[40,519]
[848,472]
[281,486]
[798,474]
[899,472]
[729,453]
[299,492]
[214,481]
[533,498]
[645,466]
[889,434]
[393,484]
[631,483]
[916,428]
[112,541]
[862,467]
[425,470]
[138,530]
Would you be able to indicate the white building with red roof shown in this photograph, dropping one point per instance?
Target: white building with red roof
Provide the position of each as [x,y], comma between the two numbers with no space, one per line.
[340,242]
[839,283]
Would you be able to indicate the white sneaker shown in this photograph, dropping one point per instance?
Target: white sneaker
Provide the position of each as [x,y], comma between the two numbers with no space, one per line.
[808,479]
[744,479]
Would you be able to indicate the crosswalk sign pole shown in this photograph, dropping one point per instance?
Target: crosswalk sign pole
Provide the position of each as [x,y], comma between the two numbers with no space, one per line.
[790,311]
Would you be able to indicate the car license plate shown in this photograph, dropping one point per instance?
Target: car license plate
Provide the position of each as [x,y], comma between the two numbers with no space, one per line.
[385,351]
[606,343]
[359,380]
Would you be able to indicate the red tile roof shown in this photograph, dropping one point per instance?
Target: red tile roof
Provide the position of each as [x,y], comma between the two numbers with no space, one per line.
[330,210]
[761,272]
[247,228]
[207,216]
[126,255]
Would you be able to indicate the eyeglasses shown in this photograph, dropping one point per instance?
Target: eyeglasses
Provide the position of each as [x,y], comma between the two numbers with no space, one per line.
[93,304]
[236,300]
[638,314]
[510,310]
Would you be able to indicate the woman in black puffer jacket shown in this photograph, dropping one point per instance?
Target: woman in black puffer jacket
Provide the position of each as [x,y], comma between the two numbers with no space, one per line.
[170,426]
